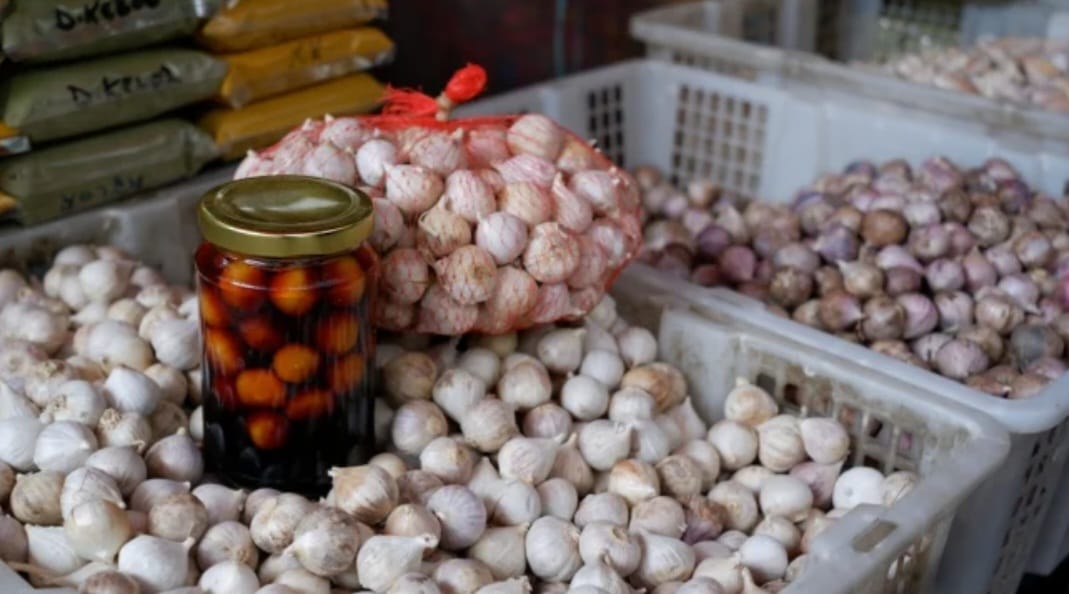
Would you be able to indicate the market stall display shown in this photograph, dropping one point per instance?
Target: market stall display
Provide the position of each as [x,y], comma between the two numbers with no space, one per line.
[622,501]
[949,269]
[760,141]
[241,26]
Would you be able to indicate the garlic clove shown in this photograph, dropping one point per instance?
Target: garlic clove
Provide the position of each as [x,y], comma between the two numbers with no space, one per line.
[63,446]
[749,404]
[658,515]
[222,504]
[177,343]
[489,424]
[227,541]
[13,546]
[462,576]
[603,443]
[735,443]
[412,519]
[516,503]
[664,559]
[35,498]
[97,529]
[383,559]
[88,484]
[367,492]
[276,520]
[527,459]
[461,513]
[129,390]
[634,480]
[48,548]
[229,577]
[124,429]
[175,457]
[859,485]
[552,549]
[18,436]
[825,440]
[456,391]
[739,503]
[326,541]
[780,445]
[764,556]
[152,491]
[502,550]
[559,498]
[301,581]
[178,517]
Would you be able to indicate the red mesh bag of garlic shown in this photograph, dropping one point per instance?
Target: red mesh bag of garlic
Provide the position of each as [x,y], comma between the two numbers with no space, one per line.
[488,224]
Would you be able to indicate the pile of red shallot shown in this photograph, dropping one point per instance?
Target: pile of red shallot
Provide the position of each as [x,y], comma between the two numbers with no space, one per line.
[964,272]
[487,225]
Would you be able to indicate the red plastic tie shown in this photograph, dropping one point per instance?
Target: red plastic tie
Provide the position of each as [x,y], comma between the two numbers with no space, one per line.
[466,84]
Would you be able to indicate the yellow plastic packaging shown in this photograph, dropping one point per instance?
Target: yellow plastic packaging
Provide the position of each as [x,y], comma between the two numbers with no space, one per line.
[249,24]
[258,125]
[258,74]
[7,131]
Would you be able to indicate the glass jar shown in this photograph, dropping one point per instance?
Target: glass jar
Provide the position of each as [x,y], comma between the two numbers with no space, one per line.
[286,283]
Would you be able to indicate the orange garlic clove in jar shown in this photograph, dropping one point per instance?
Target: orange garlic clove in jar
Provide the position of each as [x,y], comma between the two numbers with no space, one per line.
[293,291]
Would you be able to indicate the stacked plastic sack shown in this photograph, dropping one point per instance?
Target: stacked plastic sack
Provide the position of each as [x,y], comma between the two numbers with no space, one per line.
[91,86]
[291,60]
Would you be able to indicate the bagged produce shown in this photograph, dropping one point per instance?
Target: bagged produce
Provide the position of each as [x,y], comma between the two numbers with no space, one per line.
[237,130]
[96,94]
[52,30]
[487,224]
[261,73]
[248,24]
[87,172]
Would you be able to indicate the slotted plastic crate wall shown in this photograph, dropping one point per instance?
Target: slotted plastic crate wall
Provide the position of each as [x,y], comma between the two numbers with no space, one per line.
[766,142]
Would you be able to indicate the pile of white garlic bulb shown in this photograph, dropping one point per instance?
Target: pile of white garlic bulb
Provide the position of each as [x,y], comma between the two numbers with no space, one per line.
[483,226]
[558,459]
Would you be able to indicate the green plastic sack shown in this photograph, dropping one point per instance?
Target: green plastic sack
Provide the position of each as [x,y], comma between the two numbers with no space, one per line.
[88,172]
[51,30]
[87,96]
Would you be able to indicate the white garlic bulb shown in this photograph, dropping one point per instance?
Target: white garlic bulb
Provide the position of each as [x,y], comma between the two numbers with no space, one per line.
[412,519]
[175,457]
[416,486]
[502,550]
[782,530]
[168,419]
[88,484]
[383,559]
[726,571]
[525,385]
[178,517]
[415,424]
[572,467]
[787,497]
[18,436]
[105,280]
[63,446]
[585,397]
[35,498]
[152,491]
[561,350]
[414,583]
[481,363]
[75,400]
[457,391]
[326,541]
[156,564]
[48,548]
[614,545]
[124,429]
[520,585]
[227,541]
[603,443]
[548,420]
[462,576]
[301,581]
[129,390]
[527,459]
[857,486]
[410,376]
[780,445]
[739,502]
[516,503]
[749,404]
[664,559]
[552,548]
[601,576]
[649,441]
[605,366]
[97,529]
[461,514]
[752,477]
[735,443]
[489,424]
[629,405]
[448,459]
[12,540]
[690,424]
[659,515]
[764,556]
[255,500]
[637,346]
[826,440]
[559,498]
[172,383]
[229,577]
[680,475]
[276,520]
[608,508]
[177,343]
[14,404]
[222,504]
[633,480]
[367,492]
[275,566]
[128,311]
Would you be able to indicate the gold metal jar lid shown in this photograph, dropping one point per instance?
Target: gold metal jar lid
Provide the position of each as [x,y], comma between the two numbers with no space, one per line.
[285,216]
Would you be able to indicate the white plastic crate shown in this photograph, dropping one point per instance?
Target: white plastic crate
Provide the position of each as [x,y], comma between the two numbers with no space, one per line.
[872,550]
[766,142]
[699,35]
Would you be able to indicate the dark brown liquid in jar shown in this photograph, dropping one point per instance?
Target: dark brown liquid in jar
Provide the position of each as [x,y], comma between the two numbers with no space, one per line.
[287,347]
